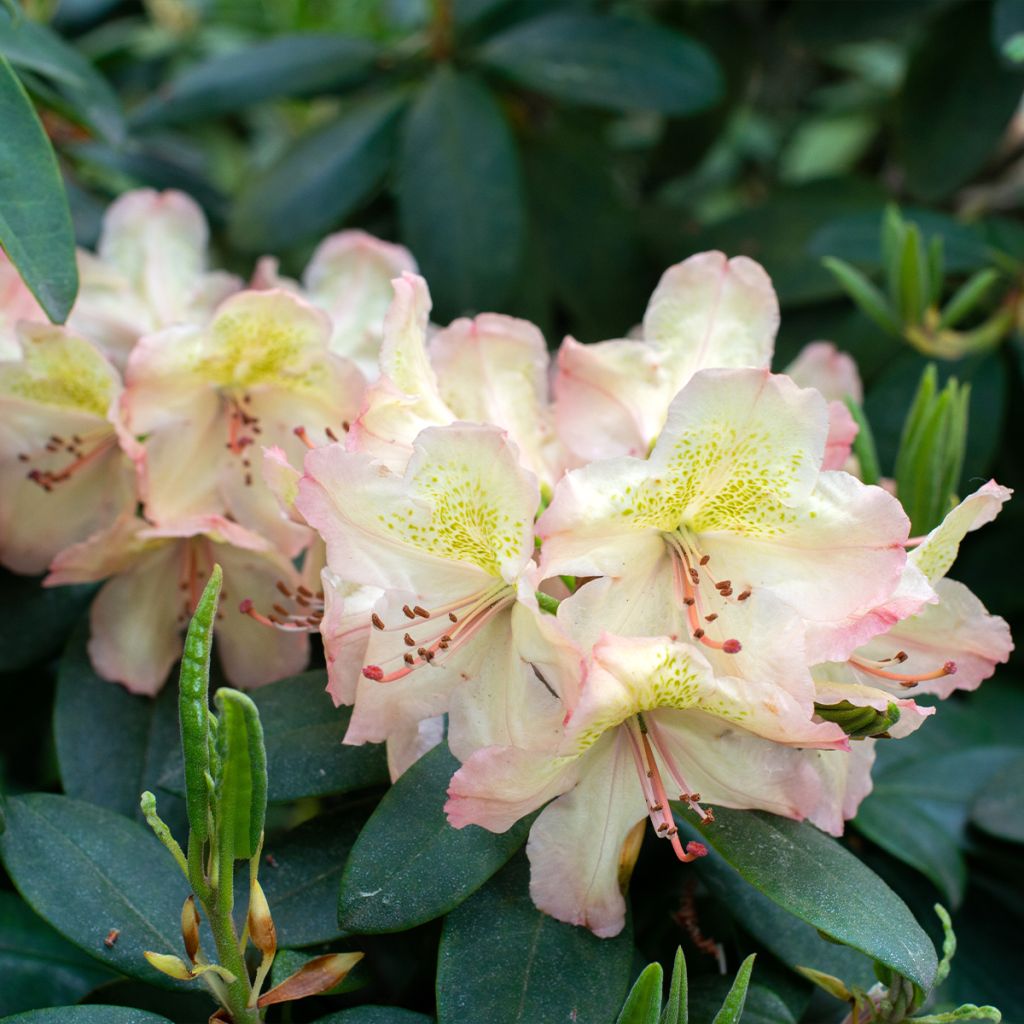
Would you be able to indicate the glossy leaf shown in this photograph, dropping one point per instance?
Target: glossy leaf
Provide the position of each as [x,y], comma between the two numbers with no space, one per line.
[302,732]
[460,199]
[301,874]
[111,744]
[409,865]
[505,962]
[35,223]
[643,1004]
[814,878]
[612,62]
[37,966]
[999,807]
[87,1015]
[289,65]
[375,1015]
[88,871]
[79,89]
[972,107]
[322,178]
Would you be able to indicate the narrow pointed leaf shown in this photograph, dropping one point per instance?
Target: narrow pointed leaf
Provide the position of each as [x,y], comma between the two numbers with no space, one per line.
[676,1008]
[35,223]
[241,783]
[312,978]
[643,1004]
[865,293]
[732,1008]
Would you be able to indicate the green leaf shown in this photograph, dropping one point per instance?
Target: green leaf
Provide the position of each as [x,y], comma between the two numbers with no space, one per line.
[918,810]
[967,297]
[867,295]
[611,62]
[999,807]
[35,223]
[301,875]
[81,92]
[87,1015]
[241,775]
[813,877]
[677,1006]
[35,620]
[460,200]
[643,1004]
[762,1005]
[288,65]
[409,865]
[302,733]
[375,1015]
[86,871]
[505,962]
[111,744]
[1008,30]
[732,1008]
[951,124]
[864,444]
[38,967]
[321,179]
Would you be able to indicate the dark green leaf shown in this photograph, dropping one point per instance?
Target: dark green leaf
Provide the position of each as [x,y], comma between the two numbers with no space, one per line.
[408,864]
[38,967]
[302,733]
[111,744]
[35,223]
[375,1015]
[87,1015]
[35,620]
[289,65]
[323,177]
[82,92]
[612,62]
[918,810]
[643,1004]
[87,870]
[813,877]
[999,807]
[185,1006]
[460,198]
[301,881]
[950,124]
[505,962]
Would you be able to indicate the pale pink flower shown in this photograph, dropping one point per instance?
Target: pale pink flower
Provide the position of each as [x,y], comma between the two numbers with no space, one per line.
[62,474]
[822,366]
[155,576]
[653,722]
[203,399]
[149,272]
[611,398]
[492,369]
[729,508]
[16,303]
[449,544]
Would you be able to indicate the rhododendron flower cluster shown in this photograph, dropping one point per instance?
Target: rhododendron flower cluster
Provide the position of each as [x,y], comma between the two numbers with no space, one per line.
[635,572]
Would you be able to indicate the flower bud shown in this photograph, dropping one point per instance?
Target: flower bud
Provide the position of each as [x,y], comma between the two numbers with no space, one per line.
[190,927]
[261,924]
[172,966]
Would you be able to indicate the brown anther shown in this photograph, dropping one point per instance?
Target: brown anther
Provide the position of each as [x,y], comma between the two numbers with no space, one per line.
[303,601]
[409,642]
[711,617]
[428,655]
[709,816]
[695,576]
[727,592]
[54,439]
[900,656]
[22,457]
[453,617]
[442,645]
[248,479]
[673,831]
[698,633]
[705,559]
[256,430]
[304,591]
[280,609]
[76,438]
[695,798]
[421,612]
[723,585]
[655,808]
[331,435]
[743,596]
[421,651]
[689,601]
[283,589]
[346,426]
[378,622]
[410,660]
[663,827]
[408,612]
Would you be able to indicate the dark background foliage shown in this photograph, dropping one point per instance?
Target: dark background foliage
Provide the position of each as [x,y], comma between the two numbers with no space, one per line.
[547,159]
